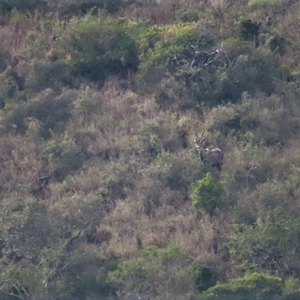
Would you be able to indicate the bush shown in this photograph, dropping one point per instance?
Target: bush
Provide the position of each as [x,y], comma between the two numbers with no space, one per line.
[10,84]
[99,46]
[43,75]
[249,31]
[253,286]
[268,245]
[63,155]
[207,194]
[247,70]
[50,109]
[203,276]
[156,45]
[155,273]
[269,119]
[19,219]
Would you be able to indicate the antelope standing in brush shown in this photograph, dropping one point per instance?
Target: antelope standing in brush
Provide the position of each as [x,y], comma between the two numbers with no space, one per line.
[213,157]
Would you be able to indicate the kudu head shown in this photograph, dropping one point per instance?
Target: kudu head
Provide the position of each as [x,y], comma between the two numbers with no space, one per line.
[199,144]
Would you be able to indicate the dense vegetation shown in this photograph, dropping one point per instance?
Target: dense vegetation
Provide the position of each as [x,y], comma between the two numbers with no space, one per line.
[103,194]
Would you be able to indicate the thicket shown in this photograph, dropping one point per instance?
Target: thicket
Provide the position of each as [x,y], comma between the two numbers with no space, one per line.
[103,194]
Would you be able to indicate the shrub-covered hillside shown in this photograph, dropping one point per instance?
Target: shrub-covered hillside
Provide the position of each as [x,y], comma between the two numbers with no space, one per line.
[103,193]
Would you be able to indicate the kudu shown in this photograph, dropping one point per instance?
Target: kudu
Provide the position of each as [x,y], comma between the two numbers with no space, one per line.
[213,157]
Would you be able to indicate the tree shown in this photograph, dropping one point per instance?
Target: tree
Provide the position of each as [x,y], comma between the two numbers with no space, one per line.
[157,273]
[253,286]
[207,194]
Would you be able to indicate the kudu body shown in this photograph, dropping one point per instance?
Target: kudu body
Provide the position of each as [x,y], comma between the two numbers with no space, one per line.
[213,157]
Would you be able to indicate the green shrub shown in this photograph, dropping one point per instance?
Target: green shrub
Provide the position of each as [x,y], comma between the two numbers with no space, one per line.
[156,45]
[204,277]
[115,181]
[172,171]
[207,194]
[272,245]
[19,219]
[265,117]
[248,70]
[156,272]
[90,282]
[253,72]
[252,286]
[63,155]
[8,86]
[50,109]
[187,15]
[43,75]
[249,30]
[278,44]
[99,46]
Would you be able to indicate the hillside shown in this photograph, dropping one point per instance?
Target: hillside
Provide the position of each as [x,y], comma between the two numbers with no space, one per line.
[103,192]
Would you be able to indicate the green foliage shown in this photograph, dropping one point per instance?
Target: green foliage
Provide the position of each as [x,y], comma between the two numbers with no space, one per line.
[278,44]
[99,46]
[263,2]
[10,83]
[187,15]
[51,110]
[43,75]
[204,277]
[250,70]
[90,282]
[17,17]
[20,281]
[251,286]
[158,271]
[272,245]
[20,218]
[207,194]
[63,155]
[249,30]
[157,44]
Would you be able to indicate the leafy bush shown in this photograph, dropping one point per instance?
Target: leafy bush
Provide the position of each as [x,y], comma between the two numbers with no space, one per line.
[203,276]
[99,46]
[249,31]
[156,272]
[19,218]
[157,44]
[51,110]
[63,155]
[272,245]
[265,117]
[10,84]
[186,15]
[248,70]
[92,281]
[253,286]
[172,171]
[43,75]
[207,194]
[253,72]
